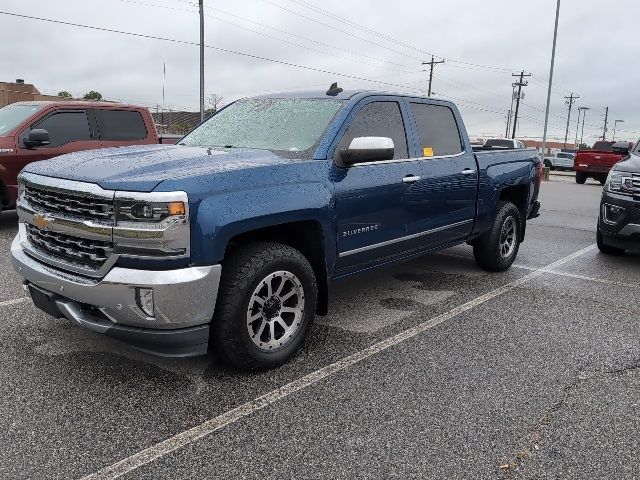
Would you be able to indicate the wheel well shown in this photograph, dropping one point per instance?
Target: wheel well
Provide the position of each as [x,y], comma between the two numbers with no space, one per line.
[306,237]
[517,195]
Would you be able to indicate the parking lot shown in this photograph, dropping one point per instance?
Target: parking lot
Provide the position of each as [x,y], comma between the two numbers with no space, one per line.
[428,369]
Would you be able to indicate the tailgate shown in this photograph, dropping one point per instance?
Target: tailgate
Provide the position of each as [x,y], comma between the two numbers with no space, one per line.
[596,161]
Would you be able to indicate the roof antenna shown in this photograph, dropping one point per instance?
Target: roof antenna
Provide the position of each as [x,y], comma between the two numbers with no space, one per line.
[334,89]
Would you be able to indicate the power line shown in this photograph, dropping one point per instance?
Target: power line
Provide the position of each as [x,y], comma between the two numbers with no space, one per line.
[388,38]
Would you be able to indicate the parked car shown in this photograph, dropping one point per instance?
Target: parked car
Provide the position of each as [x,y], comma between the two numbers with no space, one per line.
[503,143]
[597,162]
[560,161]
[619,221]
[32,131]
[233,236]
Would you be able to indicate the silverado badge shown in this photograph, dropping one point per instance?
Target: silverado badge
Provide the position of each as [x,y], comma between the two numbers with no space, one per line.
[42,221]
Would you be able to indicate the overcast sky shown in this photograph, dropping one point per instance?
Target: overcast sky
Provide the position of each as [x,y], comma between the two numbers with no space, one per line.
[596,54]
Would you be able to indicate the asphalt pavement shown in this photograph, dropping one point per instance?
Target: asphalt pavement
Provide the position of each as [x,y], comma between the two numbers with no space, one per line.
[432,369]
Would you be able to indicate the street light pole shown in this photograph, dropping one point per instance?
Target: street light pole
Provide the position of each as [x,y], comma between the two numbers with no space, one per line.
[201,6]
[553,59]
[615,124]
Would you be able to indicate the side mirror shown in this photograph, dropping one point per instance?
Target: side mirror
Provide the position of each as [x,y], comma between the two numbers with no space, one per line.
[621,147]
[368,149]
[37,137]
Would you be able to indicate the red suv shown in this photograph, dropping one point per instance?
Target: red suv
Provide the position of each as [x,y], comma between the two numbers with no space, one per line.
[32,131]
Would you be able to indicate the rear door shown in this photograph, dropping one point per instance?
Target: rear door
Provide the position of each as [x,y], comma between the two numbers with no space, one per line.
[372,220]
[69,131]
[443,202]
[121,127]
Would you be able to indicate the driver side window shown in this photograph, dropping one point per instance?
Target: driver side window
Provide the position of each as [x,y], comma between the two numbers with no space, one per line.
[65,127]
[378,119]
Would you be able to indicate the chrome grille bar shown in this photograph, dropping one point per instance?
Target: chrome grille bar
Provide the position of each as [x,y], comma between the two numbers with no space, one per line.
[64,202]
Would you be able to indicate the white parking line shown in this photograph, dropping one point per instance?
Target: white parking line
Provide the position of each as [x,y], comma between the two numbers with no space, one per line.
[13,302]
[190,436]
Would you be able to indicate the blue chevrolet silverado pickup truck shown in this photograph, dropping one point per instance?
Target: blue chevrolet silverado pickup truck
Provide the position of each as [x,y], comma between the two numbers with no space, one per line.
[228,241]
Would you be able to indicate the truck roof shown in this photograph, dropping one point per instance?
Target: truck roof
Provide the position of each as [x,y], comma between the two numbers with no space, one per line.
[344,95]
[76,103]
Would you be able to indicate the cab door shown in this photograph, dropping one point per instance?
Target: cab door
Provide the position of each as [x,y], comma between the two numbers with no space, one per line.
[371,217]
[69,130]
[442,203]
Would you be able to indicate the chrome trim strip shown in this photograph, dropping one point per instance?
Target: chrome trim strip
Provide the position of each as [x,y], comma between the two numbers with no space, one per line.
[68,186]
[402,239]
[402,160]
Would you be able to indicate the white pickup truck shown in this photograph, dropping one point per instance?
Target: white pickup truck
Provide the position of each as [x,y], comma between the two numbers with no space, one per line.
[561,161]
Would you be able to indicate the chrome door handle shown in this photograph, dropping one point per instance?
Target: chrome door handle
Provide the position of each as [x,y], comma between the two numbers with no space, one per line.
[411,179]
[468,171]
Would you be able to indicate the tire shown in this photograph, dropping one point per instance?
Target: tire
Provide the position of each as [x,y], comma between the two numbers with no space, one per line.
[602,180]
[581,177]
[607,249]
[251,287]
[489,250]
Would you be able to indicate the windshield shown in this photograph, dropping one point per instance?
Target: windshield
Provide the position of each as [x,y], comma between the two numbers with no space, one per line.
[284,125]
[499,143]
[13,115]
[603,146]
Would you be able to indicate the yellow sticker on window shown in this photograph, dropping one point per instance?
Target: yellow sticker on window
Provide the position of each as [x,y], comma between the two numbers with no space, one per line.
[427,151]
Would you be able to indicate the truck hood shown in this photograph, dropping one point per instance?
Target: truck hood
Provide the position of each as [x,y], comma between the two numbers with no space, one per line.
[631,164]
[141,168]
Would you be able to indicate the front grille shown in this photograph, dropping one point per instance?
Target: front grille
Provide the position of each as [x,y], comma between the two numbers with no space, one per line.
[75,250]
[86,207]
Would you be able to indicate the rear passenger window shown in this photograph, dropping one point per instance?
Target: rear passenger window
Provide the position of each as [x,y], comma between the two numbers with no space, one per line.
[66,127]
[378,119]
[438,130]
[121,125]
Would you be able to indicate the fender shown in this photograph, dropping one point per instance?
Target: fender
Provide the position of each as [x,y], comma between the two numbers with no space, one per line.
[221,217]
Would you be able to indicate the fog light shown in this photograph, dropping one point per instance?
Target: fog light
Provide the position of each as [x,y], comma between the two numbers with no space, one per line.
[144,297]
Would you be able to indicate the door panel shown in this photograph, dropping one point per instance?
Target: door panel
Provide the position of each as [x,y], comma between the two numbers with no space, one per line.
[369,196]
[442,204]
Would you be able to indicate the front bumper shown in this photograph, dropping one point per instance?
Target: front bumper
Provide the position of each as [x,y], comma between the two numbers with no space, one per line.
[184,302]
[619,220]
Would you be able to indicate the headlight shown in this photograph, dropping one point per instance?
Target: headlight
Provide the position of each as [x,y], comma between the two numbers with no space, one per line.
[154,224]
[618,182]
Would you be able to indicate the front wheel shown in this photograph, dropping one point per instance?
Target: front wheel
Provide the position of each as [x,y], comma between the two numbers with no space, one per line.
[581,177]
[266,305]
[497,249]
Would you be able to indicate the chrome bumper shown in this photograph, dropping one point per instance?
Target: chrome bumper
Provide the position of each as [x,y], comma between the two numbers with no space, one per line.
[182,298]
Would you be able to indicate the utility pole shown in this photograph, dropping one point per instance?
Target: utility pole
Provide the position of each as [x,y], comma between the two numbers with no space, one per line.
[575,143]
[521,83]
[569,102]
[606,118]
[615,124]
[506,133]
[553,60]
[584,114]
[201,5]
[431,64]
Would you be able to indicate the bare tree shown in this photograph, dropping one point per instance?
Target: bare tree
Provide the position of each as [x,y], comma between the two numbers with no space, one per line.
[213,103]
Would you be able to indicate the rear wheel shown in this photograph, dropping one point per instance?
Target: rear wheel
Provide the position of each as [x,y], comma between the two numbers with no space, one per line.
[497,249]
[602,179]
[581,177]
[607,249]
[266,305]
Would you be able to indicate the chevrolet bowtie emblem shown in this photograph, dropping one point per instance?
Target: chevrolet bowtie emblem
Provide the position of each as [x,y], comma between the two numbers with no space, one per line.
[42,221]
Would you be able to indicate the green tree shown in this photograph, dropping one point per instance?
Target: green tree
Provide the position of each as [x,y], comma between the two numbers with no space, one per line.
[64,94]
[92,95]
[584,146]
